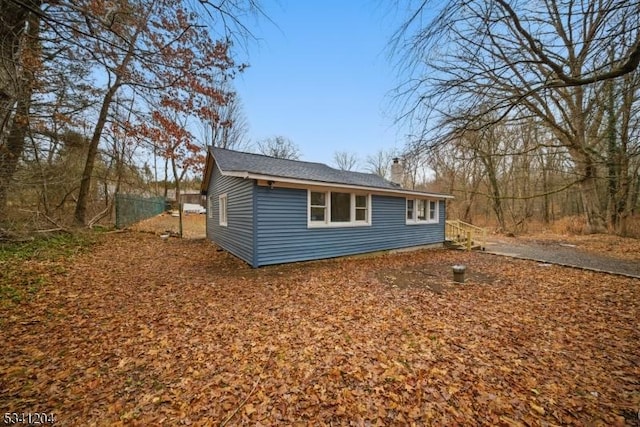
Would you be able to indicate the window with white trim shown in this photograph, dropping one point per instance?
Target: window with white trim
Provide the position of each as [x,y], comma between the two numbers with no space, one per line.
[338,209]
[433,211]
[362,207]
[422,211]
[211,206]
[223,209]
[410,210]
[318,204]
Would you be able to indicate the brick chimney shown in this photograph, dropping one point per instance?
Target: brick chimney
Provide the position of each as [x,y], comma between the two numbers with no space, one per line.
[396,171]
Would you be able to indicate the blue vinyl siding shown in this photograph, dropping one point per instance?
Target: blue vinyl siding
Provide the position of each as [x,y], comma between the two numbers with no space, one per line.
[237,237]
[282,234]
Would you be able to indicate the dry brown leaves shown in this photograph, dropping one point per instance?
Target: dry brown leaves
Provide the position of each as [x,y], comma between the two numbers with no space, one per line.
[604,244]
[193,225]
[145,332]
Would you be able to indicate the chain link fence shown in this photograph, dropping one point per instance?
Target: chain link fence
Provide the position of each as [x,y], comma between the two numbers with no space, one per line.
[131,208]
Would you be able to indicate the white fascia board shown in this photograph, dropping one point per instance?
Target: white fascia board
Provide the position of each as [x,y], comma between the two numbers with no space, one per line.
[250,175]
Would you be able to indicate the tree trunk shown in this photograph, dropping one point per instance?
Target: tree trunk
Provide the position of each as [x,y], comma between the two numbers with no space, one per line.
[85,183]
[13,19]
[590,199]
[635,196]
[166,177]
[11,152]
[581,148]
[467,217]
[496,198]
[12,148]
[546,216]
[177,178]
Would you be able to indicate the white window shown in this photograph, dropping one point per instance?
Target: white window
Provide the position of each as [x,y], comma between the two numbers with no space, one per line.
[318,203]
[338,209]
[433,211]
[362,209]
[223,209]
[410,212]
[422,211]
[210,206]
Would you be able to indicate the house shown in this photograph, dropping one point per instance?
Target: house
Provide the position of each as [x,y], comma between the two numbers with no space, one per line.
[270,211]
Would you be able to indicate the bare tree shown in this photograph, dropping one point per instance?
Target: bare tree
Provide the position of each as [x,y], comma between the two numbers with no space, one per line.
[19,49]
[622,154]
[124,43]
[345,160]
[227,125]
[478,63]
[379,163]
[279,147]
[13,23]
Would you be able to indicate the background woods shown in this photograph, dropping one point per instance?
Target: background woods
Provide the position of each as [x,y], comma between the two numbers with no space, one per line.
[94,94]
[531,108]
[527,113]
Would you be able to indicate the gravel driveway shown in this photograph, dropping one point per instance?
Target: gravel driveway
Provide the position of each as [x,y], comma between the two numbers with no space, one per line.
[563,254]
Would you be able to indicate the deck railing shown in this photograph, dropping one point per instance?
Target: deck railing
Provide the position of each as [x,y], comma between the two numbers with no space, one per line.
[464,234]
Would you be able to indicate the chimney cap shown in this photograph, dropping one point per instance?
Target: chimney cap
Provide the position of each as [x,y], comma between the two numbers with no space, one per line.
[396,159]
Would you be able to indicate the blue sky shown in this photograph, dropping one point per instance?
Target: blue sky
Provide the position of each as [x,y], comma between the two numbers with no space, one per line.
[320,75]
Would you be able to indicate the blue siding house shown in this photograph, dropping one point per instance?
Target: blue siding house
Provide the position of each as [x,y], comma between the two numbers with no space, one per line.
[270,211]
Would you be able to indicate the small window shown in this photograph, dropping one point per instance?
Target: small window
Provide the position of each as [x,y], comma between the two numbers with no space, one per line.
[210,206]
[433,210]
[223,209]
[340,207]
[422,210]
[361,208]
[410,209]
[318,205]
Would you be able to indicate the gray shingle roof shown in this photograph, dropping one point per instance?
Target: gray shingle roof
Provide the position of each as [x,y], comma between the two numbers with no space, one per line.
[258,164]
[236,161]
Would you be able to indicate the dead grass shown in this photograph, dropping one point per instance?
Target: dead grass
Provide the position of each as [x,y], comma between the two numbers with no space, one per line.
[570,230]
[568,225]
[603,244]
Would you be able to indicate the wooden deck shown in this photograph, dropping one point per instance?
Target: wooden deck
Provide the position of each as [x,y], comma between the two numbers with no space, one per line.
[466,236]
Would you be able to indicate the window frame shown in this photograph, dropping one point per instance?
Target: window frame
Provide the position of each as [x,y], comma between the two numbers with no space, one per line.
[434,211]
[211,206]
[412,210]
[327,223]
[421,210]
[223,210]
[324,207]
[366,208]
[426,204]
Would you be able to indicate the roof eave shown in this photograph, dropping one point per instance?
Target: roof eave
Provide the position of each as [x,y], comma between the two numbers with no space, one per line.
[206,175]
[251,175]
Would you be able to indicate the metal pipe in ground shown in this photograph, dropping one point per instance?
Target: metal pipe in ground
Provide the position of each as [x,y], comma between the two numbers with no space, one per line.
[458,273]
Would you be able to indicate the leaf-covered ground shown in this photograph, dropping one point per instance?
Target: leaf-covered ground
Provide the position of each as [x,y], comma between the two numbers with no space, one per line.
[193,225]
[144,332]
[605,244]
